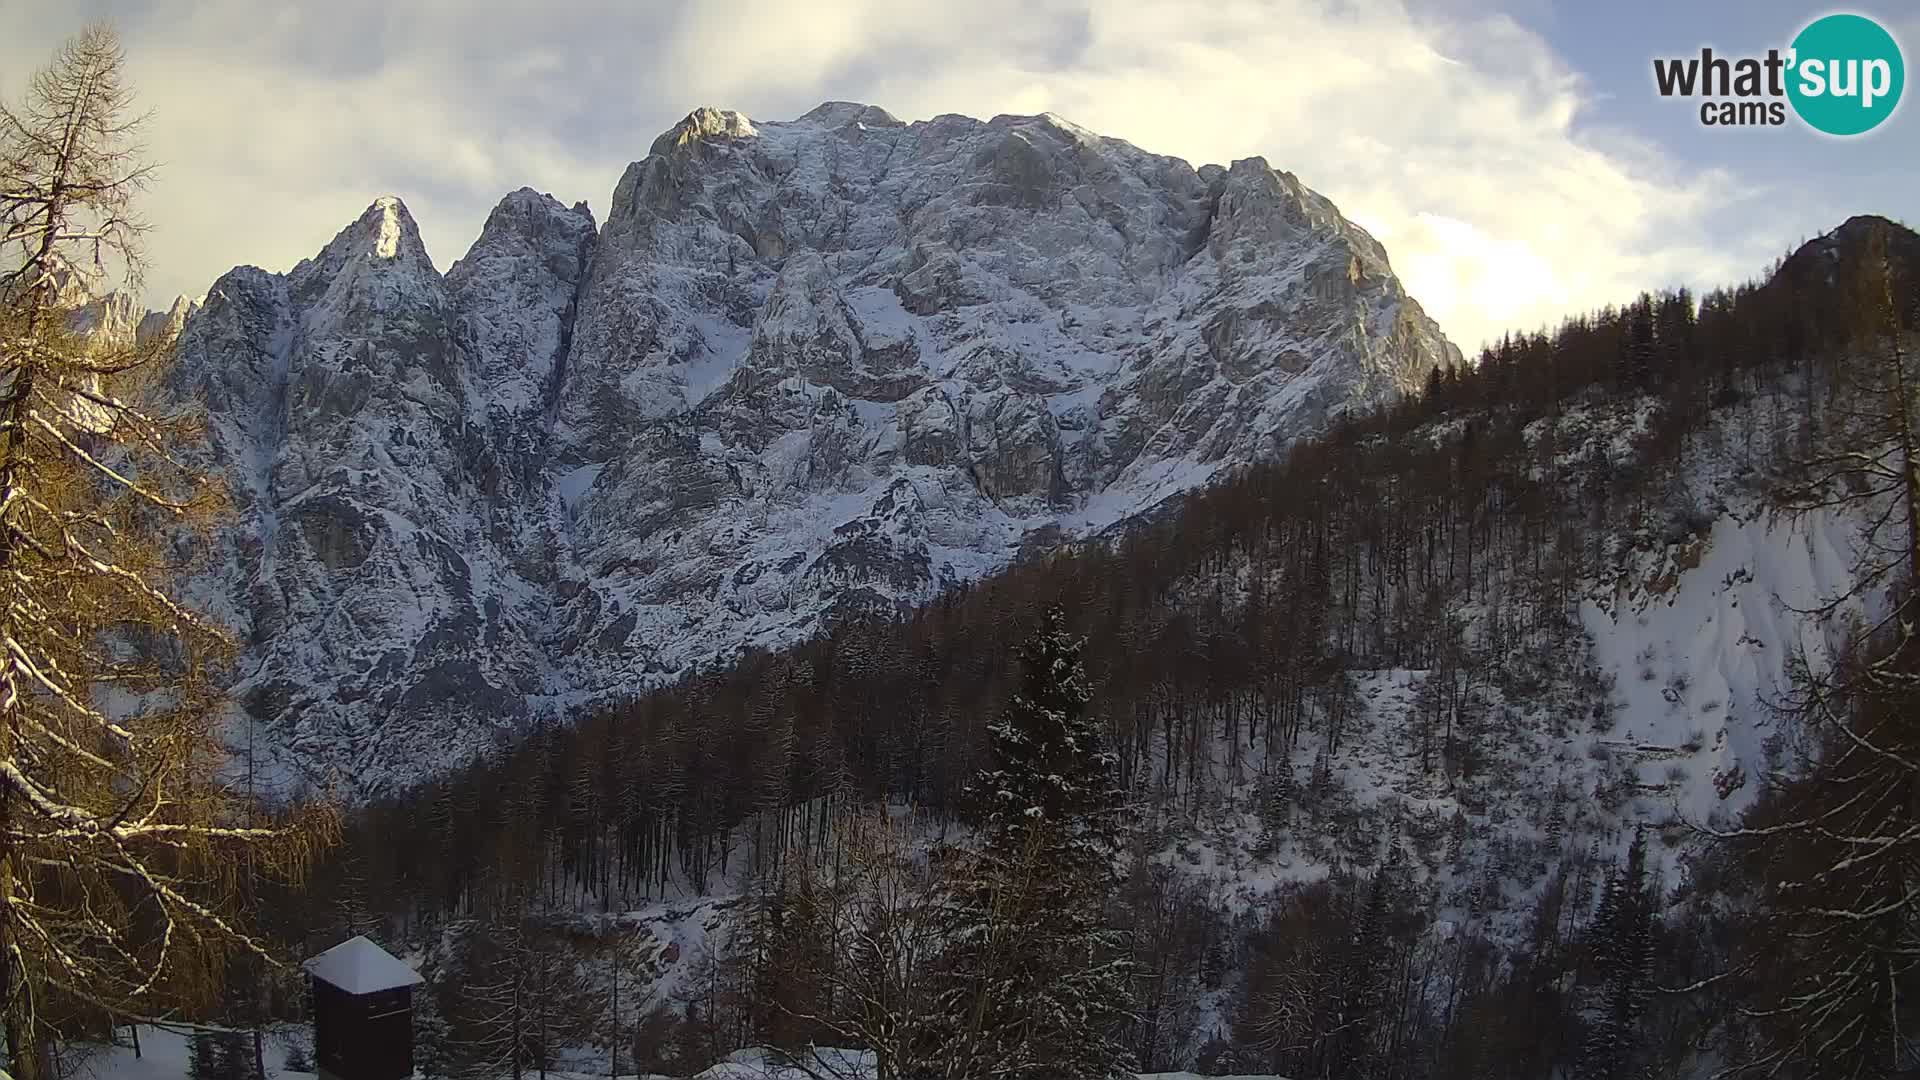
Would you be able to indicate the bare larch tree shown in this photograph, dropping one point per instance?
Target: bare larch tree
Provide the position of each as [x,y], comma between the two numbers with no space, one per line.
[119,842]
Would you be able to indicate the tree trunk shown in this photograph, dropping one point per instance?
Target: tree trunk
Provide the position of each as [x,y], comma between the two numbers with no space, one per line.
[22,1040]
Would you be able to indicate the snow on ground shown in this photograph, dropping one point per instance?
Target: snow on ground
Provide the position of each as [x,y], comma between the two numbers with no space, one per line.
[164,1053]
[1698,641]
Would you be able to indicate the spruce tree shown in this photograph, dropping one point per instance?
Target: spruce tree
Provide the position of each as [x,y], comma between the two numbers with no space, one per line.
[1365,959]
[233,1057]
[1035,982]
[1622,965]
[201,1058]
[220,1055]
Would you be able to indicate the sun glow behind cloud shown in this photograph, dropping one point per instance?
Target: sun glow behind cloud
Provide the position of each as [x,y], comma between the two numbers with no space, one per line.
[1455,139]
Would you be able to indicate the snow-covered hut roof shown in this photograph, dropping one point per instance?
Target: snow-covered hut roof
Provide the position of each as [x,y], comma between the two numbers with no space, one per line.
[358,966]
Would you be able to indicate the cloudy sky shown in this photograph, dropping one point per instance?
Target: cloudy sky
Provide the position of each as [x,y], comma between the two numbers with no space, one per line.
[1511,154]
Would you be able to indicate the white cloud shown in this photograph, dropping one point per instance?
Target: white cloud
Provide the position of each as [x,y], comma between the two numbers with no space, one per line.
[1454,138]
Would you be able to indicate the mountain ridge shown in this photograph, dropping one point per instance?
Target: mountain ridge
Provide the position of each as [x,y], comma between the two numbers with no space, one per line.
[804,369]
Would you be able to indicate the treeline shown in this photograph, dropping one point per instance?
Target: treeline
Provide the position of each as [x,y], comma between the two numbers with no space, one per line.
[1219,645]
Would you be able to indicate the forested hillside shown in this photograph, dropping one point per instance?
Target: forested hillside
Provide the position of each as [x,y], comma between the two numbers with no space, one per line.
[1415,786]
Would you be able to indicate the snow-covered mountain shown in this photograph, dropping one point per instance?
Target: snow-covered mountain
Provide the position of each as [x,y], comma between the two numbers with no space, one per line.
[831,365]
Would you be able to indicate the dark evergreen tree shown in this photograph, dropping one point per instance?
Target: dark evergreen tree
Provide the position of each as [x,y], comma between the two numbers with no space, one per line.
[431,1034]
[221,1055]
[1622,943]
[1366,971]
[1051,768]
[1275,806]
[236,1058]
[1637,345]
[201,1063]
[1036,984]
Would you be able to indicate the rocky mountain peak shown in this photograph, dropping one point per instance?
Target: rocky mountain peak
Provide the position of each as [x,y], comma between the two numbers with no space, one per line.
[515,294]
[166,325]
[702,124]
[839,114]
[114,317]
[531,214]
[117,318]
[804,369]
[384,239]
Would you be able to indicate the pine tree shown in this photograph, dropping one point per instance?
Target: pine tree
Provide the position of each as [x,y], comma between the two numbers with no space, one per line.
[1035,982]
[1365,973]
[1275,806]
[220,1055]
[781,937]
[431,1034]
[233,1057]
[1052,768]
[1622,937]
[201,1058]
[1556,828]
[1637,345]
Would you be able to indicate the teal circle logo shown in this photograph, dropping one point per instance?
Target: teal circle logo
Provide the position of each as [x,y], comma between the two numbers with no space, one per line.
[1846,74]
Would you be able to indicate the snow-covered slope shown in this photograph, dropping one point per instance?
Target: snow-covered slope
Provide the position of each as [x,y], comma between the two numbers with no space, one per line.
[836,364]
[167,1054]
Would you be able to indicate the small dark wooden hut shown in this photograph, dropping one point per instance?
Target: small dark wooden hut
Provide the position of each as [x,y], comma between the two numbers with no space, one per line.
[362,1012]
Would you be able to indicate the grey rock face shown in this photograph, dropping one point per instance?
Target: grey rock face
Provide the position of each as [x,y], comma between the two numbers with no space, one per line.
[378,425]
[803,370]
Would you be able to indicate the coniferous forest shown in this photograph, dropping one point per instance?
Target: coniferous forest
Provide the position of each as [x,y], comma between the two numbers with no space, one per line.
[1317,772]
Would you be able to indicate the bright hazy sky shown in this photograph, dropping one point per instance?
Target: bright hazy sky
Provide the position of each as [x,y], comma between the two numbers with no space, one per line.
[1511,154]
